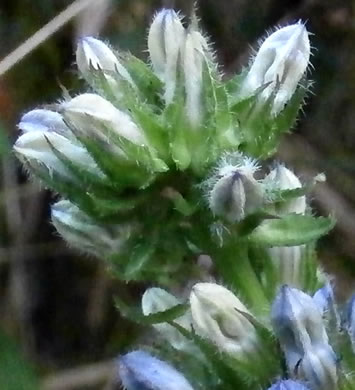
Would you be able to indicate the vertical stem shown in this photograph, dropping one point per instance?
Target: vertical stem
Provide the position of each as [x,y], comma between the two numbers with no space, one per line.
[233,263]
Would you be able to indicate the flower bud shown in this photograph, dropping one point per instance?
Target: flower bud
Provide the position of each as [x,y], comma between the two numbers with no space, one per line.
[86,109]
[138,370]
[319,367]
[288,385]
[297,323]
[282,178]
[324,298]
[155,300]
[82,232]
[278,66]
[218,315]
[43,120]
[351,321]
[35,147]
[91,54]
[235,193]
[193,62]
[165,40]
[287,261]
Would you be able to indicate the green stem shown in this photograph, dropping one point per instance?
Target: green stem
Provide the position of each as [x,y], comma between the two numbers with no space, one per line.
[233,263]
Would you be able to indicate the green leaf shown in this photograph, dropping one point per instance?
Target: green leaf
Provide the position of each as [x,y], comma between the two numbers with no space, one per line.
[140,256]
[137,316]
[293,229]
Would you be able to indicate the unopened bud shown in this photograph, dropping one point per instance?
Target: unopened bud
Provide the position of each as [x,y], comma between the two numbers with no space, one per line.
[86,109]
[43,120]
[155,300]
[287,261]
[319,367]
[235,193]
[91,54]
[82,232]
[221,317]
[279,65]
[35,147]
[138,370]
[288,384]
[165,40]
[324,298]
[193,63]
[281,178]
[297,323]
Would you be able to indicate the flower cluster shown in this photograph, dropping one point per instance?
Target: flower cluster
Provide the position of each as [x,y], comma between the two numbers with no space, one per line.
[160,163]
[243,342]
[135,148]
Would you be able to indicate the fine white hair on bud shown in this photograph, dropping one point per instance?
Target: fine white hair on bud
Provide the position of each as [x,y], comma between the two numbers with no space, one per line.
[193,62]
[155,300]
[84,233]
[233,192]
[92,107]
[279,65]
[219,316]
[165,41]
[138,370]
[35,147]
[43,120]
[319,367]
[91,53]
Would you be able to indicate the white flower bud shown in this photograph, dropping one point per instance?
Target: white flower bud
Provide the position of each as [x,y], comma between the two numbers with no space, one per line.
[193,62]
[165,40]
[319,367]
[155,300]
[217,315]
[287,262]
[90,107]
[282,178]
[279,65]
[235,193]
[43,120]
[91,53]
[82,232]
[35,147]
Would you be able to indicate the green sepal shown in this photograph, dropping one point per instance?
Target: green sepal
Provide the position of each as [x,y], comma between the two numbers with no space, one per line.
[178,128]
[136,315]
[120,171]
[147,82]
[291,230]
[277,195]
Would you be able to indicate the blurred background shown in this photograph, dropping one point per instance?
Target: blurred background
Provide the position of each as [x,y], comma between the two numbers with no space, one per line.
[58,325]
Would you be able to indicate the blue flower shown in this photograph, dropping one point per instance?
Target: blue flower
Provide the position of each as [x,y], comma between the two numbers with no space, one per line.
[288,385]
[139,370]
